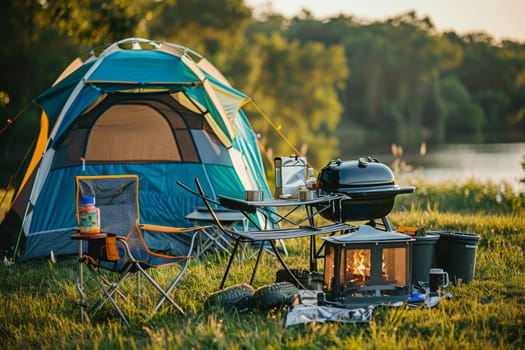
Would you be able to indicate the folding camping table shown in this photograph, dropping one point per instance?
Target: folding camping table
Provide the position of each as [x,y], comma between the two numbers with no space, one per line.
[214,237]
[312,208]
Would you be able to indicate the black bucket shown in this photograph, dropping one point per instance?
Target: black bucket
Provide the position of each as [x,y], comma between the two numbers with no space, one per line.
[423,256]
[456,254]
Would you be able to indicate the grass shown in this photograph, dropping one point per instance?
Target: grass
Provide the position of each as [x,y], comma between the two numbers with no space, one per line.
[39,301]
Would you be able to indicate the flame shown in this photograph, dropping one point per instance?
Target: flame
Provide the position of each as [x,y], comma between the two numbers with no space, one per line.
[384,270]
[359,275]
[360,264]
[358,269]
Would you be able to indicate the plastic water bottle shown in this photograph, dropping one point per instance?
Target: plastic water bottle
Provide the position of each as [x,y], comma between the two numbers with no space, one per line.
[89,216]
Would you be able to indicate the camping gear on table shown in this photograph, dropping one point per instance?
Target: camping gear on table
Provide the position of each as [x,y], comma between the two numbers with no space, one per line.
[290,175]
[151,108]
[89,216]
[307,195]
[252,195]
[311,180]
[369,184]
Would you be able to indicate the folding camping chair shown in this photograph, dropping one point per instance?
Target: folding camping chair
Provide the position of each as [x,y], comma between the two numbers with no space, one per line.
[120,249]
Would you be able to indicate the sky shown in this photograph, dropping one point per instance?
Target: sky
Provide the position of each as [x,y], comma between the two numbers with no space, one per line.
[502,19]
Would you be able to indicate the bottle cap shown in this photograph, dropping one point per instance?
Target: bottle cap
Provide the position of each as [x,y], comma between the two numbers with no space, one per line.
[87,200]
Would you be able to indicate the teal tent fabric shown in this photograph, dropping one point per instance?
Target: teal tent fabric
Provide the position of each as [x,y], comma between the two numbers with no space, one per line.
[52,100]
[144,79]
[142,67]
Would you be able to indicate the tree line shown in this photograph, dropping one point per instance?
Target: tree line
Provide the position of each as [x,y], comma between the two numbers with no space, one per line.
[336,87]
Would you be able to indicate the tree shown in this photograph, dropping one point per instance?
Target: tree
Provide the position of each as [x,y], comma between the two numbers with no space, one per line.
[297,85]
[40,38]
[394,66]
[213,28]
[96,22]
[491,74]
[461,113]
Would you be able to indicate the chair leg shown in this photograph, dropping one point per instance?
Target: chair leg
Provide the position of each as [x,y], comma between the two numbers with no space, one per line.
[116,291]
[259,255]
[159,288]
[283,246]
[80,281]
[232,256]
[83,301]
[108,294]
[174,283]
[139,293]
[280,258]
[172,286]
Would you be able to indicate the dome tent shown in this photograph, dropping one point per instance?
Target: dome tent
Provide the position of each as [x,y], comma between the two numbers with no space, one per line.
[150,108]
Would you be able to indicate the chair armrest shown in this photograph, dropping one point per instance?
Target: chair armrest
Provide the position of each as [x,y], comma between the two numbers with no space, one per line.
[171,229]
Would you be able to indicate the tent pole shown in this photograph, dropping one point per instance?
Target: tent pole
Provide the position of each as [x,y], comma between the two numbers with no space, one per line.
[20,232]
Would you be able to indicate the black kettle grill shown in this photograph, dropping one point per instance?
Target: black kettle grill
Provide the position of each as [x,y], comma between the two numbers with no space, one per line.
[369,184]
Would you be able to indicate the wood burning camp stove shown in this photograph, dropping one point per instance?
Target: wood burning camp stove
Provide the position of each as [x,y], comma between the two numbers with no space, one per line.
[367,267]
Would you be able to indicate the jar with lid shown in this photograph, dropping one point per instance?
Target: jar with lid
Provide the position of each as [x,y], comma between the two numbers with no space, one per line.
[89,216]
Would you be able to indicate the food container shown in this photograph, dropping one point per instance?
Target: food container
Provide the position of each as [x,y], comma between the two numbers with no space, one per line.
[307,195]
[369,184]
[253,195]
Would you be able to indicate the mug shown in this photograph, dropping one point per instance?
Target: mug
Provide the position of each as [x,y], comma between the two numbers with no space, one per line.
[253,195]
[307,195]
[438,279]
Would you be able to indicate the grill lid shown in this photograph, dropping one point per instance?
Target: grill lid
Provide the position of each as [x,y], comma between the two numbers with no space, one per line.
[338,175]
[369,184]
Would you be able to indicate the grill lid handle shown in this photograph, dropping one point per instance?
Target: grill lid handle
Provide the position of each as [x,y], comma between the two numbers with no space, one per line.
[337,161]
[364,161]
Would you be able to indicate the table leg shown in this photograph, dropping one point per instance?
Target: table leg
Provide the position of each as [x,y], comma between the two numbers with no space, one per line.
[313,249]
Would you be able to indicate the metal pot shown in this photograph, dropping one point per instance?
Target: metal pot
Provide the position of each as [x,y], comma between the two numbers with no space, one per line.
[307,195]
[253,195]
[369,184]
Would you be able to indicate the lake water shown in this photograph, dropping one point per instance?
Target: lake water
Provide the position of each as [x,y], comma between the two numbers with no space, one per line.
[497,162]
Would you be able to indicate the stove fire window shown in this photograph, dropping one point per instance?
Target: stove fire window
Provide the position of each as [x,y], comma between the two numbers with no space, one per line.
[358,268]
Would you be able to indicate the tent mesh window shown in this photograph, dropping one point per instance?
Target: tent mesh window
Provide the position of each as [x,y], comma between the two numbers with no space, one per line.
[133,128]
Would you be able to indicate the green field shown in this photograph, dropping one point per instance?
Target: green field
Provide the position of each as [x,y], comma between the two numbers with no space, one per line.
[39,301]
